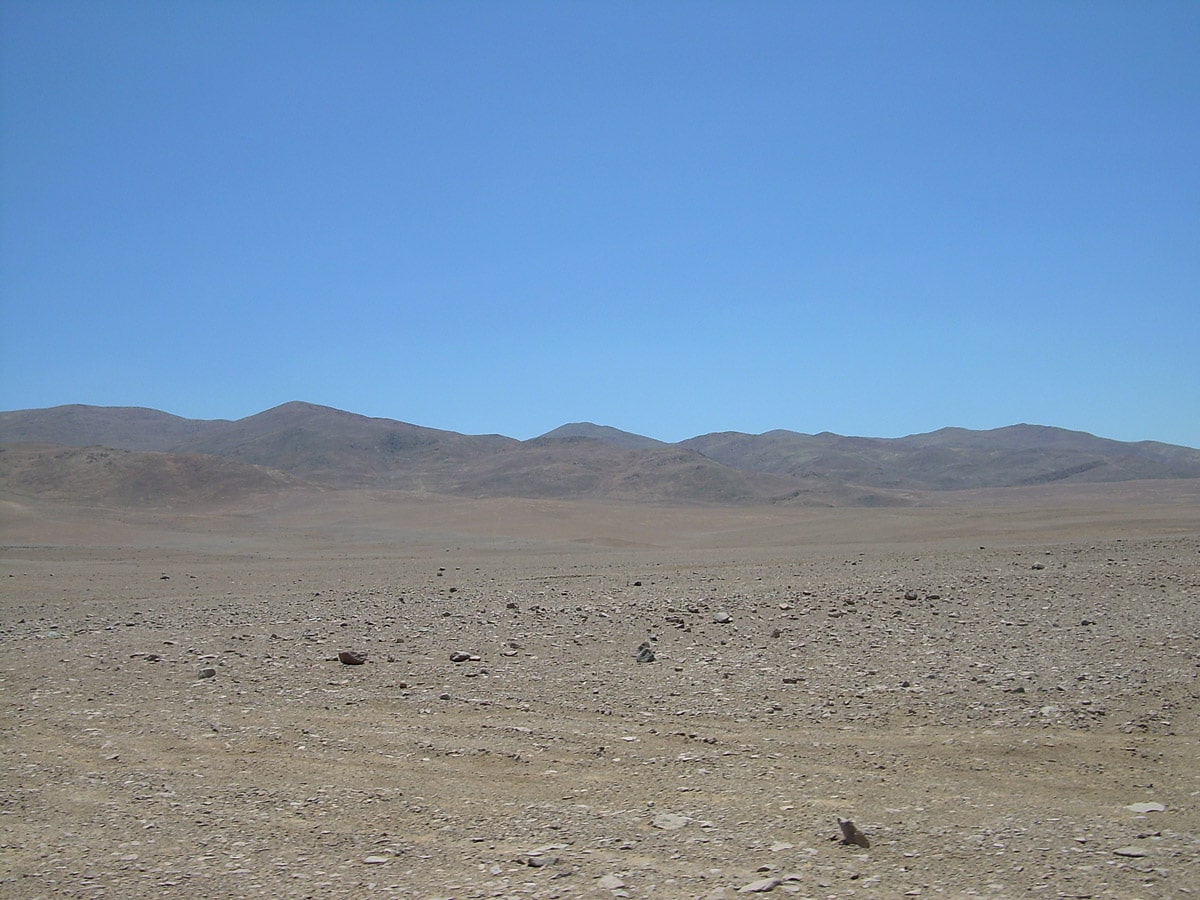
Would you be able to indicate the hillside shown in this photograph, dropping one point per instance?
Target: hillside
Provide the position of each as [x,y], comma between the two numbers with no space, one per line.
[339,449]
[952,458]
[105,476]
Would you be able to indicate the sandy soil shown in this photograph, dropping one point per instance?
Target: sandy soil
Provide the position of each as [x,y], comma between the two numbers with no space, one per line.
[987,688]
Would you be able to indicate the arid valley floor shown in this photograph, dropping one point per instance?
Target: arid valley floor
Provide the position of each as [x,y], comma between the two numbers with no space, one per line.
[1000,689]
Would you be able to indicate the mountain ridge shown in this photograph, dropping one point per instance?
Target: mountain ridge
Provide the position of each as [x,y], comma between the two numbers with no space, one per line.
[334,448]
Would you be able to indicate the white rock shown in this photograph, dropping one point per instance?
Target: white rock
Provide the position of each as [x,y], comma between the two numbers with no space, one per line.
[1135,852]
[670,821]
[1146,807]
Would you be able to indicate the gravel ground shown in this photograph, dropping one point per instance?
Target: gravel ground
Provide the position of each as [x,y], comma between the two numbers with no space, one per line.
[175,719]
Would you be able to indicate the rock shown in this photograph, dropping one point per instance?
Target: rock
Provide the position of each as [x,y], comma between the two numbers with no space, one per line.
[610,882]
[670,821]
[207,673]
[645,653]
[1147,807]
[761,886]
[537,861]
[851,834]
[458,656]
[1133,852]
[722,618]
[375,860]
[351,658]
[910,596]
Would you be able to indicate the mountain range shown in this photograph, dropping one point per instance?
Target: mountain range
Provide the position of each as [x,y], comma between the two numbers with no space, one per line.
[127,454]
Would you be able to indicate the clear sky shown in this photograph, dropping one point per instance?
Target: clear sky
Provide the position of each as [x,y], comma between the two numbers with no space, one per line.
[674,218]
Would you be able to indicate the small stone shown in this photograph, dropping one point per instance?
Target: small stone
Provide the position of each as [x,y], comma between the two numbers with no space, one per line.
[351,658]
[851,834]
[670,821]
[645,653]
[722,618]
[208,673]
[1147,807]
[910,596]
[375,860]
[458,656]
[1133,852]
[538,861]
[761,886]
[610,883]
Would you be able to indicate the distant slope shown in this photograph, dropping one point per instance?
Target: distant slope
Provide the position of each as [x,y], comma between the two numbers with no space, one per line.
[604,433]
[584,467]
[110,477]
[316,443]
[125,427]
[339,449]
[952,458]
[343,449]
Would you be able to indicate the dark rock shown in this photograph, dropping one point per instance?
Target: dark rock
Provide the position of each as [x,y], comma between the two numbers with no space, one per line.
[458,656]
[851,834]
[207,673]
[351,658]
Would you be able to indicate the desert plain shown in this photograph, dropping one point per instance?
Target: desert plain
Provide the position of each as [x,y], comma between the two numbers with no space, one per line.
[999,688]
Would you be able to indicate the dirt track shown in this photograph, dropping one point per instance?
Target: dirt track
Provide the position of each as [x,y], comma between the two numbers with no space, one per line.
[984,690]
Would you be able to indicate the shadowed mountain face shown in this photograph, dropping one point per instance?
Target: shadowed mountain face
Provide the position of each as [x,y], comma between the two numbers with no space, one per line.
[110,477]
[952,458]
[333,448]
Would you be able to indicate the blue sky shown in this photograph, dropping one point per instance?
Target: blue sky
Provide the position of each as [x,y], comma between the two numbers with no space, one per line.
[674,218]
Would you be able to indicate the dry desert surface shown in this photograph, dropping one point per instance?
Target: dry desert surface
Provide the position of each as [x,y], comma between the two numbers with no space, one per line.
[999,689]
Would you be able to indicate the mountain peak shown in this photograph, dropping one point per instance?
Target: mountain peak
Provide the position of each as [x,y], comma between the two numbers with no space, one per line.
[605,433]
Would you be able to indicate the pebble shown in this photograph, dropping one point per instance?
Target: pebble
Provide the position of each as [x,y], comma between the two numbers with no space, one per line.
[722,618]
[610,882]
[670,821]
[761,886]
[1134,852]
[375,860]
[351,658]
[1147,807]
[207,673]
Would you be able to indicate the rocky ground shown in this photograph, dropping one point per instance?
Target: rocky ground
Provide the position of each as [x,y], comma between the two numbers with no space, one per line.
[1013,719]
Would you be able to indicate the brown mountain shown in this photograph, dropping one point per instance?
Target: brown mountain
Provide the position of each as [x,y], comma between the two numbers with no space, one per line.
[343,449]
[952,458]
[339,449]
[109,477]
[605,433]
[127,427]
